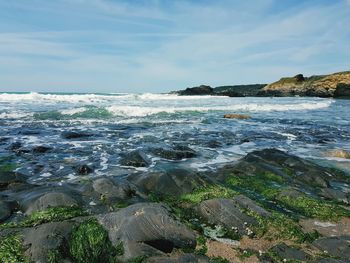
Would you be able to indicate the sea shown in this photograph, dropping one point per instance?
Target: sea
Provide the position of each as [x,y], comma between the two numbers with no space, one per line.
[120,123]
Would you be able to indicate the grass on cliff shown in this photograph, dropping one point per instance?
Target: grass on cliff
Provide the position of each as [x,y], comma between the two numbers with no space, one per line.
[52,214]
[11,250]
[89,243]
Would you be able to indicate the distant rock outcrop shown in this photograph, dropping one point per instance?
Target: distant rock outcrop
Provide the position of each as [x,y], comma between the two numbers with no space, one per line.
[337,85]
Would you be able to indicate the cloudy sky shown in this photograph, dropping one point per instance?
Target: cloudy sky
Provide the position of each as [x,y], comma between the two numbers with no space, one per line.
[162,45]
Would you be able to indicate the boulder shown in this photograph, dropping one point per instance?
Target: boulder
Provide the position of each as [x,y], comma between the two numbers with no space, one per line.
[334,246]
[51,199]
[225,212]
[7,178]
[84,169]
[247,203]
[113,190]
[75,134]
[40,240]
[135,158]
[5,211]
[41,149]
[175,182]
[146,224]
[290,253]
[237,116]
[177,153]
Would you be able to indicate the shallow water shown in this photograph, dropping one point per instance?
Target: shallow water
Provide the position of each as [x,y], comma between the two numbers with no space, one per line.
[119,123]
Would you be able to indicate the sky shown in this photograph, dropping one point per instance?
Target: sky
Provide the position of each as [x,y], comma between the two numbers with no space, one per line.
[163,45]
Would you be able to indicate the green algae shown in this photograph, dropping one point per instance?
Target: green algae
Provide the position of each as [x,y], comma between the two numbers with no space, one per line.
[89,243]
[209,192]
[11,250]
[52,214]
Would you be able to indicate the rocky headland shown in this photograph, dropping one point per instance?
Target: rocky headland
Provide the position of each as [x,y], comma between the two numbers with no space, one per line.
[270,206]
[335,85]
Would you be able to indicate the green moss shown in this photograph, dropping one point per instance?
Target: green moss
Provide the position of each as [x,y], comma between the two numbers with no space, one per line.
[314,208]
[52,214]
[119,249]
[209,192]
[202,248]
[11,250]
[89,243]
[7,167]
[278,259]
[246,253]
[54,256]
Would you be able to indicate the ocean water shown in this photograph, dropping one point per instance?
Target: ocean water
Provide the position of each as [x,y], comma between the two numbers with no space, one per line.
[119,123]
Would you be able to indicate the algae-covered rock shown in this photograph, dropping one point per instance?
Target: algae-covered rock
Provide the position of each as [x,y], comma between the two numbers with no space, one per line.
[135,158]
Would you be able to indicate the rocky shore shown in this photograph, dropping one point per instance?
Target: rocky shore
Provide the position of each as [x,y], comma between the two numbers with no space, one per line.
[335,85]
[269,206]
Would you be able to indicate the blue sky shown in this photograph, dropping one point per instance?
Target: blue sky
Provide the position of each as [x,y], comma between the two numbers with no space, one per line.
[157,46]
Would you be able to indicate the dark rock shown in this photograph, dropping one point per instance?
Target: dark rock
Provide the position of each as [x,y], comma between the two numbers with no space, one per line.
[84,169]
[41,149]
[135,158]
[177,153]
[290,253]
[112,190]
[247,203]
[147,224]
[334,246]
[44,238]
[7,178]
[75,134]
[5,211]
[239,90]
[299,78]
[225,212]
[186,258]
[50,200]
[201,90]
[175,182]
[342,90]
[236,116]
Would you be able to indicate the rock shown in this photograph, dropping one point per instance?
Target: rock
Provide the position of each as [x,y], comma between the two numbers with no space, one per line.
[112,190]
[5,211]
[7,178]
[225,212]
[135,158]
[40,149]
[339,154]
[236,116]
[334,246]
[342,90]
[186,258]
[290,253]
[50,200]
[147,224]
[175,182]
[41,239]
[247,203]
[201,90]
[75,134]
[336,85]
[177,153]
[84,169]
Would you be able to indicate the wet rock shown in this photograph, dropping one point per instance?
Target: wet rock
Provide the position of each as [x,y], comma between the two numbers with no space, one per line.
[290,253]
[112,190]
[84,169]
[334,246]
[41,149]
[237,116]
[342,90]
[177,153]
[225,212]
[135,158]
[172,182]
[339,154]
[50,200]
[247,203]
[75,134]
[186,258]
[147,224]
[5,211]
[200,90]
[333,194]
[44,238]
[7,178]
